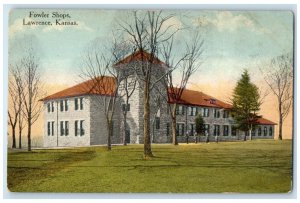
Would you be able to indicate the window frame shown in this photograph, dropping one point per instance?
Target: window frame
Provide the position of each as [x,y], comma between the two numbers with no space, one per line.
[66,105]
[81,103]
[259,131]
[157,123]
[192,129]
[227,130]
[225,114]
[66,128]
[206,129]
[265,131]
[216,130]
[270,131]
[48,128]
[52,128]
[180,130]
[61,105]
[76,107]
[205,112]
[62,129]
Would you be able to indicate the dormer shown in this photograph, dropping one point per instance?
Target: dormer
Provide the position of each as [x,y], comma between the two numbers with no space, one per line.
[212,101]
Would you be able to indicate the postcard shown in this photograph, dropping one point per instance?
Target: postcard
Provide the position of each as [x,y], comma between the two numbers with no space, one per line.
[150,101]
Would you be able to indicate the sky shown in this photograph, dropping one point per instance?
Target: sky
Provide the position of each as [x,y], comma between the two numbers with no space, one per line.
[233,41]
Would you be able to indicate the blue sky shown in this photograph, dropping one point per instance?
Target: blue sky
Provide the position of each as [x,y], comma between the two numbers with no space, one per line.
[234,40]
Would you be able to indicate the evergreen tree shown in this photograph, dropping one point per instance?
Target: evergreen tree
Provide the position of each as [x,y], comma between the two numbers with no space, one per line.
[199,125]
[246,104]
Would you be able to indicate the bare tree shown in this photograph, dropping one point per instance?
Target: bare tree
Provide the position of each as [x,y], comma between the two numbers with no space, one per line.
[186,66]
[147,32]
[129,86]
[32,89]
[279,77]
[14,110]
[103,80]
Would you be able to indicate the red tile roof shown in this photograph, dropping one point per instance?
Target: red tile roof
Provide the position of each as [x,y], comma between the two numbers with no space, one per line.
[107,87]
[99,86]
[192,97]
[139,56]
[264,121]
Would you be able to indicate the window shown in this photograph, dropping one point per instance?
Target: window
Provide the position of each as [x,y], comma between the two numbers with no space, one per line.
[233,130]
[205,112]
[48,128]
[124,107]
[81,103]
[192,129]
[66,128]
[76,103]
[61,105]
[206,129]
[76,128]
[62,130]
[225,130]
[81,128]
[199,111]
[259,131]
[216,113]
[225,114]
[216,130]
[168,129]
[270,131]
[157,123]
[253,132]
[179,129]
[192,111]
[66,105]
[48,107]
[180,110]
[265,131]
[52,106]
[52,128]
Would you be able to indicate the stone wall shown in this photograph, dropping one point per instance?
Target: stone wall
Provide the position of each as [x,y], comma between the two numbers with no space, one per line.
[58,140]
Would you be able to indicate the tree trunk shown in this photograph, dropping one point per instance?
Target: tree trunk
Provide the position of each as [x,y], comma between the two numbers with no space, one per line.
[20,135]
[29,135]
[20,140]
[245,137]
[125,127]
[147,141]
[14,136]
[173,117]
[280,122]
[109,131]
[280,128]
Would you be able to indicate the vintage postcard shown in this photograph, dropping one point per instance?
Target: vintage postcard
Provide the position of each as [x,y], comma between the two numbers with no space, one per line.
[150,101]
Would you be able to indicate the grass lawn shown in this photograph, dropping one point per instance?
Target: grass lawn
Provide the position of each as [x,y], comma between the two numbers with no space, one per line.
[262,166]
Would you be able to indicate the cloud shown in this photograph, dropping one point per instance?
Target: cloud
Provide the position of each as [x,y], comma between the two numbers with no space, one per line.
[18,27]
[172,24]
[226,21]
[81,26]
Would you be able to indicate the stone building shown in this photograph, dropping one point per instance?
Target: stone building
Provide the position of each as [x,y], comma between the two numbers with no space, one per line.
[75,116]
